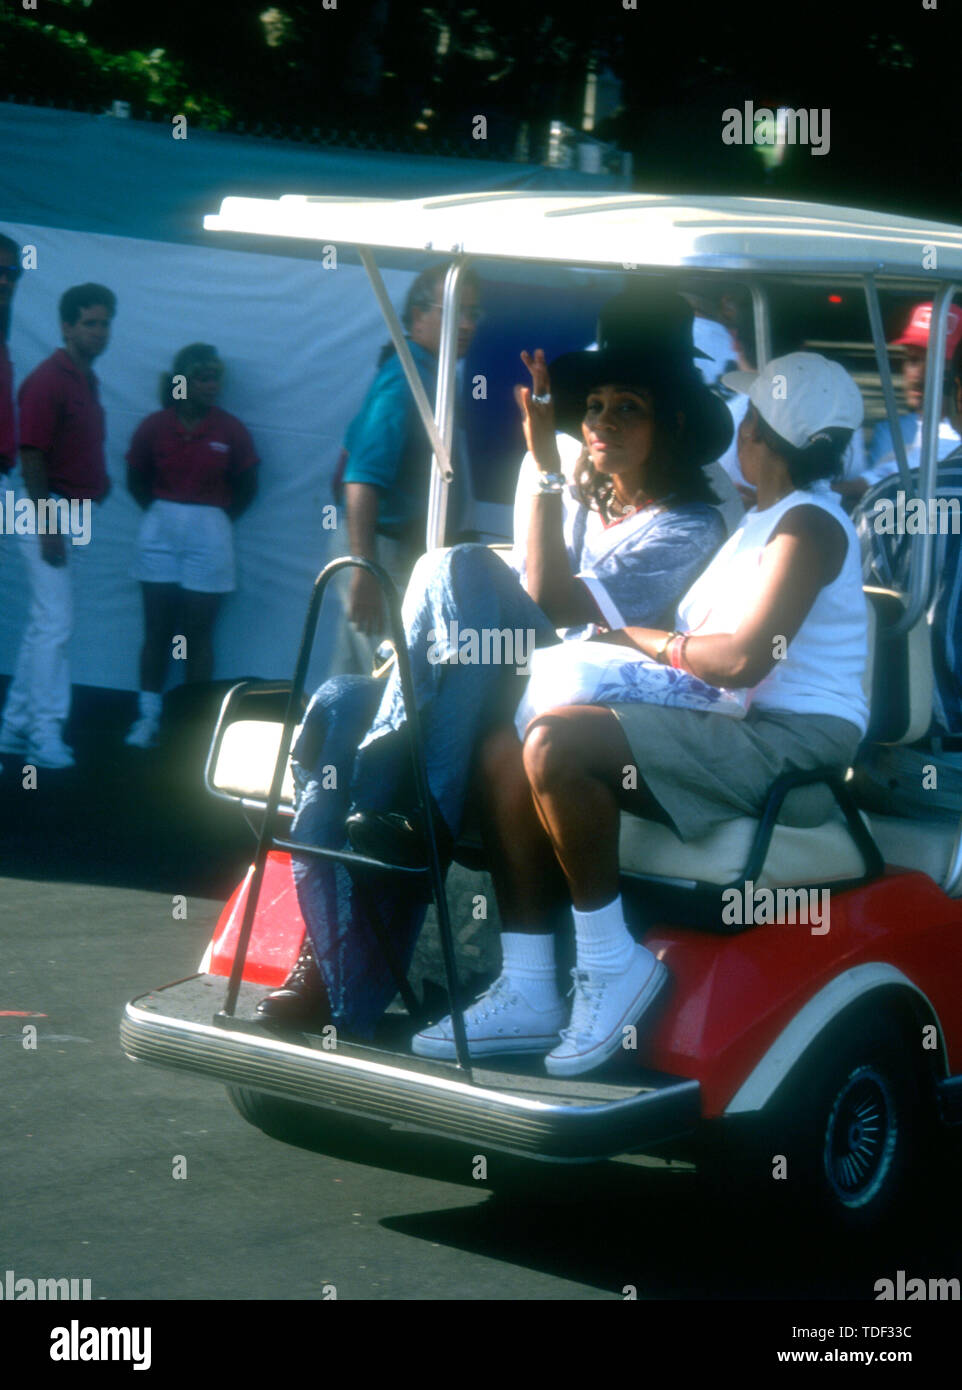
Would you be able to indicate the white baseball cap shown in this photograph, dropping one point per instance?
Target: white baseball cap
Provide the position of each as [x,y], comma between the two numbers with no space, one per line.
[800,394]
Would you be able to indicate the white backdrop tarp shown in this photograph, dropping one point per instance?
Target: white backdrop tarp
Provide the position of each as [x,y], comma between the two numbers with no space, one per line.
[121,202]
[299,343]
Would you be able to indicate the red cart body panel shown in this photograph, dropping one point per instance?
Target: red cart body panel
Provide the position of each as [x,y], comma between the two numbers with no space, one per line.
[278,926]
[732,996]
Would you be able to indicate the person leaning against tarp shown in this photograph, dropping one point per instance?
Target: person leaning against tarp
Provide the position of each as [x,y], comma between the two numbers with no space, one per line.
[10,271]
[192,467]
[62,457]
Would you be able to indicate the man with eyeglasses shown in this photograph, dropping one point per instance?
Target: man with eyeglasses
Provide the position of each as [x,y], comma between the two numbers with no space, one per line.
[386,472]
[61,456]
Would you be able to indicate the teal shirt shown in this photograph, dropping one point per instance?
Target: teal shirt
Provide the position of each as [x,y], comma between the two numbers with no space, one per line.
[386,444]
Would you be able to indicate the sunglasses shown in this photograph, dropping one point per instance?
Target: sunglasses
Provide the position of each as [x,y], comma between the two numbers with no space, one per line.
[11,273]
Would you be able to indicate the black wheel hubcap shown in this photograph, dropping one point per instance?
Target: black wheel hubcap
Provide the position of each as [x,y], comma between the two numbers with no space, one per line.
[860,1138]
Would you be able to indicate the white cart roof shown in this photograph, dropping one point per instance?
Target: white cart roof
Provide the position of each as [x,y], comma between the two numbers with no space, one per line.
[618,231]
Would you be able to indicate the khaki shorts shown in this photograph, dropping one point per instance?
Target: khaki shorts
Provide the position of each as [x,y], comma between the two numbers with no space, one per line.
[704,769]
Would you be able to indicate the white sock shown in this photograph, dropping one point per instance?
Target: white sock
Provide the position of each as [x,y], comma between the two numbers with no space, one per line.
[150,704]
[602,940]
[529,962]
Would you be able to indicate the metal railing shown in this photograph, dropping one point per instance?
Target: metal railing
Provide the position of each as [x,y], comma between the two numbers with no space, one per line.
[267,839]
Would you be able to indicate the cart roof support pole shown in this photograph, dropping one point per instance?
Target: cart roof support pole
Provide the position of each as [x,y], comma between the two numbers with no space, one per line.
[763,332]
[442,452]
[888,389]
[444,408]
[921,577]
[954,872]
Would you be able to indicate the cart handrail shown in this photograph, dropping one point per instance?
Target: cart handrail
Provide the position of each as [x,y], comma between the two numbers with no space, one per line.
[267,839]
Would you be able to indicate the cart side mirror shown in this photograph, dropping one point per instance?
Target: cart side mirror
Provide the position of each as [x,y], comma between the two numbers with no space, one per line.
[244,767]
[245,746]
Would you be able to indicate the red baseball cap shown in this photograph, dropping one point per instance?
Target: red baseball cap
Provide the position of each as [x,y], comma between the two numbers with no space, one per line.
[917,332]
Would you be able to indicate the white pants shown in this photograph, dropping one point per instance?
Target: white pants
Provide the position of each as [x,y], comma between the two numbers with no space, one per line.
[38,700]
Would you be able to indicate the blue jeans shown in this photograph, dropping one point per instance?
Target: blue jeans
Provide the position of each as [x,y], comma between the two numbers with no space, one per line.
[341,757]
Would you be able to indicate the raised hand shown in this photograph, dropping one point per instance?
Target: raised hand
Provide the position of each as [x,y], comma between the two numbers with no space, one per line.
[537,411]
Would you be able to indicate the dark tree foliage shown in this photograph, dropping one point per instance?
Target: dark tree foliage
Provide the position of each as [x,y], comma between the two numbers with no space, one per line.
[408,76]
[886,73]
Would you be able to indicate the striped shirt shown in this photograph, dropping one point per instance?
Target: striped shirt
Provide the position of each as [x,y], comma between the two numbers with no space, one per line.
[882,462]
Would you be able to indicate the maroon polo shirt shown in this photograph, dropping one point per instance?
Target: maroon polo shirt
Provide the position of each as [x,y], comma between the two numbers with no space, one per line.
[8,421]
[61,415]
[197,465]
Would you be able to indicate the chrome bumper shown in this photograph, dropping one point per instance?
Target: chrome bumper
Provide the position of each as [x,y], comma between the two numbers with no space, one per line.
[508,1111]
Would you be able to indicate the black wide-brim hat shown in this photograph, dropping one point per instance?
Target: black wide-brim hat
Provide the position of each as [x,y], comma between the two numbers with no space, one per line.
[643,364]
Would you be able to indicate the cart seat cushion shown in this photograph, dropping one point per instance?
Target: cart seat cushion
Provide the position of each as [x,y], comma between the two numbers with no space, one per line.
[798,854]
[902,681]
[245,761]
[824,853]
[926,846]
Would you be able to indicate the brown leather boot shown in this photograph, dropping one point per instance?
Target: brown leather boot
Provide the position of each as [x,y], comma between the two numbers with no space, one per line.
[302,998]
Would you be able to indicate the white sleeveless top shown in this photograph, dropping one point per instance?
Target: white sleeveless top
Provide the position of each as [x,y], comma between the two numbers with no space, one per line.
[822,669]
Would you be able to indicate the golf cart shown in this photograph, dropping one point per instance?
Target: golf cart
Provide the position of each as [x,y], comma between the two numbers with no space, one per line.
[830,1056]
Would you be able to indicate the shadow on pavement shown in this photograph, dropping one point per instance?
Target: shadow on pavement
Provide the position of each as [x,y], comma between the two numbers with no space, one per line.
[661,1232]
[123,816]
[644,1222]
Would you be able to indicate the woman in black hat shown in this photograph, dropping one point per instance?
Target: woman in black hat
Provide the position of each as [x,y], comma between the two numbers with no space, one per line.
[619,545]
[649,427]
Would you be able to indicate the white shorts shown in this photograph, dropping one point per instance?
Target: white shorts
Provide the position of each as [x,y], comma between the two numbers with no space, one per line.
[187,544]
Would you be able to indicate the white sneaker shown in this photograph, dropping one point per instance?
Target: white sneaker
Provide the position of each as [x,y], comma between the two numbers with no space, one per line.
[604,1005]
[143,734]
[12,739]
[51,752]
[500,1020]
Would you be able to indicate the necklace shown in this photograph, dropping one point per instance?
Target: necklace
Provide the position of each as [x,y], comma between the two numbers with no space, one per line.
[627,508]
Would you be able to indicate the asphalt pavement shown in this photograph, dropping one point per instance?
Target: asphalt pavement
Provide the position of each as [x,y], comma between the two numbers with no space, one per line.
[149,1184]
